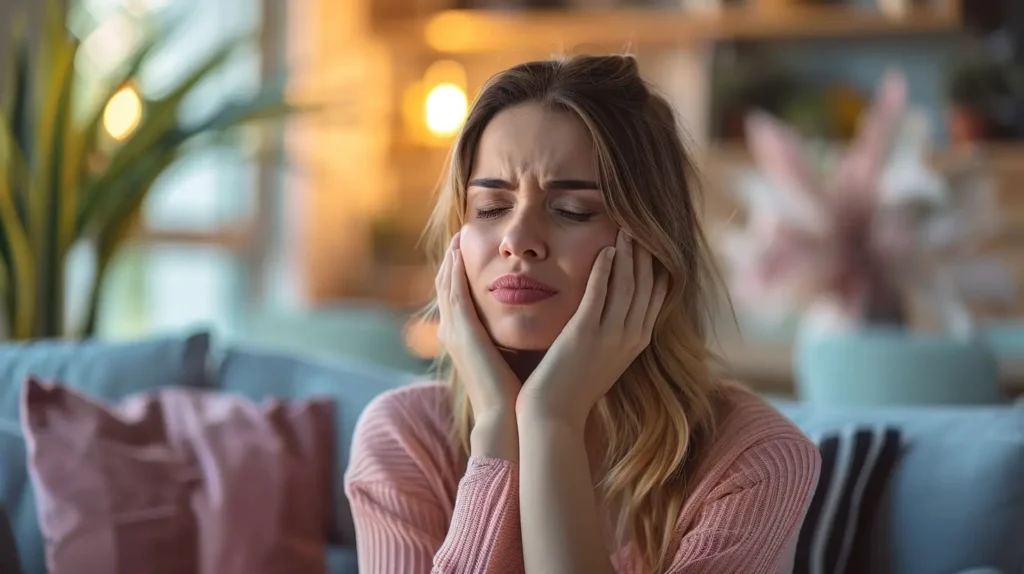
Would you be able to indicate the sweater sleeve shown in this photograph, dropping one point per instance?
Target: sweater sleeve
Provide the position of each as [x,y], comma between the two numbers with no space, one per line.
[753,516]
[405,522]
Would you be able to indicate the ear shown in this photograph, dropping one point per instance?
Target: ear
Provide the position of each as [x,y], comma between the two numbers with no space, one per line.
[778,152]
[861,168]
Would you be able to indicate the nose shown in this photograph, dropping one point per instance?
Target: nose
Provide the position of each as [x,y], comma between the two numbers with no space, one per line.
[524,237]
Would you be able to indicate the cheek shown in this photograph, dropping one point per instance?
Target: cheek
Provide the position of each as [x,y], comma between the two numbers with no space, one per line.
[578,257]
[477,247]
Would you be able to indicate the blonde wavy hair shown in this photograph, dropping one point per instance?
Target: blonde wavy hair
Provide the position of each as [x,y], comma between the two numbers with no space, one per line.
[661,412]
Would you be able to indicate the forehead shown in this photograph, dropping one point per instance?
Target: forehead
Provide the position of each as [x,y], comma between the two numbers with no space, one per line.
[535,138]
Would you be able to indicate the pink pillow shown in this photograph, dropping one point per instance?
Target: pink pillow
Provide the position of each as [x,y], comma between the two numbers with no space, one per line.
[179,481]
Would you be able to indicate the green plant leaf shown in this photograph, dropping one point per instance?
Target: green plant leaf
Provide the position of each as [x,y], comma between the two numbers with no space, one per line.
[19,266]
[83,143]
[58,235]
[17,112]
[159,118]
[266,104]
[54,60]
[134,186]
[54,89]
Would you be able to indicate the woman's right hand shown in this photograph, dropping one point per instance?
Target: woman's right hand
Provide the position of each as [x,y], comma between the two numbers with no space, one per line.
[490,384]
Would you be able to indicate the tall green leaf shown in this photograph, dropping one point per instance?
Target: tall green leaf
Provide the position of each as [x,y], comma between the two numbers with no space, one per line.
[19,265]
[83,143]
[54,68]
[17,89]
[134,186]
[53,290]
[159,117]
[265,105]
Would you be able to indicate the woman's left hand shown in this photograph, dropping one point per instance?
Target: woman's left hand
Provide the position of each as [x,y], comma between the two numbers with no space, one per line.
[612,326]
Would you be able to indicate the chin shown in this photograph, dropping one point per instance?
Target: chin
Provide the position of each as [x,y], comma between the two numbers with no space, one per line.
[520,334]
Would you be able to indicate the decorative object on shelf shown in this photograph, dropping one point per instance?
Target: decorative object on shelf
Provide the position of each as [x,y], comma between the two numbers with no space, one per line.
[899,8]
[514,4]
[66,183]
[779,7]
[981,93]
[745,82]
[845,239]
[876,366]
[704,6]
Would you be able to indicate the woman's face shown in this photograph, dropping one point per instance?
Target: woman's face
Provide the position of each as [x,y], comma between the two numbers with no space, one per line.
[535,223]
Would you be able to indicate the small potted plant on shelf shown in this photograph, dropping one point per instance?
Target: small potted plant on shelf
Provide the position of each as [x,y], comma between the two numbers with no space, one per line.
[746,83]
[977,86]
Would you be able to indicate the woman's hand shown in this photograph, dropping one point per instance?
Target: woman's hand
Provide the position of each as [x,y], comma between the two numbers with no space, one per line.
[490,384]
[612,326]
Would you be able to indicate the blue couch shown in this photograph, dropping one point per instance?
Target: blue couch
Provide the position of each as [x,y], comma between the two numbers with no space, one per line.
[955,501]
[113,371]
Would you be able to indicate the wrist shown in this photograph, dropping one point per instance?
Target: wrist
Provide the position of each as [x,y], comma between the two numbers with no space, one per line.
[495,435]
[538,414]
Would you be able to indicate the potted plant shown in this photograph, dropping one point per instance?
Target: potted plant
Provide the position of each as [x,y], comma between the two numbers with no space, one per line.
[744,83]
[64,182]
[846,243]
[976,87]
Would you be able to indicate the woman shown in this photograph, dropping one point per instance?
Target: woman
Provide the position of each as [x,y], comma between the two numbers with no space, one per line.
[581,429]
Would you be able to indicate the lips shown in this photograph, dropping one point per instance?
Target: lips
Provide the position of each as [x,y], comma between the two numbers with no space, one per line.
[520,290]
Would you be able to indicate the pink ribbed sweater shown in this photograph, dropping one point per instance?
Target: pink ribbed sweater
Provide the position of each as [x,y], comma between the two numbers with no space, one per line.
[419,506]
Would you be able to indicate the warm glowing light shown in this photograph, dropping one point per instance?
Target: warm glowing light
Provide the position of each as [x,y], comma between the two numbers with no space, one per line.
[123,113]
[421,339]
[446,109]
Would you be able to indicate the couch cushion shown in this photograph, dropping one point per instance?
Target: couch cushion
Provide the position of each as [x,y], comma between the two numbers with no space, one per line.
[258,374]
[955,499]
[855,465]
[179,480]
[109,371]
[17,498]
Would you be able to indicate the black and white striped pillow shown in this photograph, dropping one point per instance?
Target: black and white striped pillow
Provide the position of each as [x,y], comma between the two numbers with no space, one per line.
[855,464]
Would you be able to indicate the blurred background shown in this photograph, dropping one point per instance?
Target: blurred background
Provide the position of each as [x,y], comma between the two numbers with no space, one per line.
[301,232]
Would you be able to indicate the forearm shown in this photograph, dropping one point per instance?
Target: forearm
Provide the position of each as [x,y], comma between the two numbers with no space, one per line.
[562,529]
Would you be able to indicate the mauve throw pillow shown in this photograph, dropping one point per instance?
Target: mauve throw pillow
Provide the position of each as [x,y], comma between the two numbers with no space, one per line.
[179,480]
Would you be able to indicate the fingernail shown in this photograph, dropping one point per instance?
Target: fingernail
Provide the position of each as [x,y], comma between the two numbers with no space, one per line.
[609,253]
[629,238]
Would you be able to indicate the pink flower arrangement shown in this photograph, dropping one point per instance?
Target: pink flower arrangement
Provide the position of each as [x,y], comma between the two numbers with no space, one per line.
[847,241]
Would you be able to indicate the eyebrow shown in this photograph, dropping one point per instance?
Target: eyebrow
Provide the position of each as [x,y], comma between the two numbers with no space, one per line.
[559,184]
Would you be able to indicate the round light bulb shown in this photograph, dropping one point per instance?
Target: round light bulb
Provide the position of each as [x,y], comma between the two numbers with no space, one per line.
[123,113]
[446,109]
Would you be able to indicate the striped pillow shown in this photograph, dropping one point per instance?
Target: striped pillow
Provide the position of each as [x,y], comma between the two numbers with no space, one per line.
[855,463]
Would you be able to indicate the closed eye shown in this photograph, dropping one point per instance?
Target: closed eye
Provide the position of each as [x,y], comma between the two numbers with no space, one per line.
[574,215]
[491,212]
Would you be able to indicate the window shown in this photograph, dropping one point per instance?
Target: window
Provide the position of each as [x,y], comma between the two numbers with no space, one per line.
[197,262]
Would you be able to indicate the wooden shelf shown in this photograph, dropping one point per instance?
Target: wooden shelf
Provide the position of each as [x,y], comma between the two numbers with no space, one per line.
[478,31]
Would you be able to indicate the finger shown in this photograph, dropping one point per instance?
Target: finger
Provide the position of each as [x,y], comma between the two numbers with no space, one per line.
[442,283]
[460,285]
[622,283]
[593,300]
[654,309]
[643,272]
